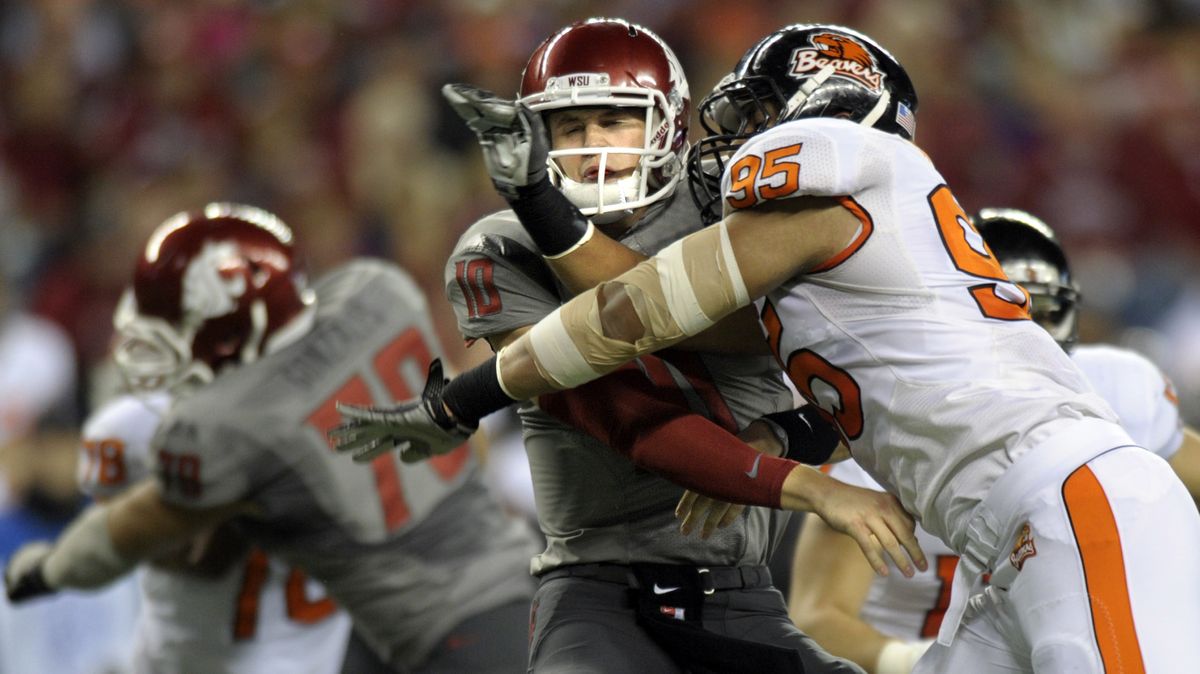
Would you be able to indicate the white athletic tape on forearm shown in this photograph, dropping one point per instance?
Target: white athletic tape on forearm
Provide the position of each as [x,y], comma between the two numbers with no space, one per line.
[556,353]
[84,557]
[732,270]
[570,346]
[678,292]
[500,376]
[679,288]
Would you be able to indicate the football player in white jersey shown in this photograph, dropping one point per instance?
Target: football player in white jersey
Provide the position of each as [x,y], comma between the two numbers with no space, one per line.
[888,312]
[251,613]
[884,624]
[431,570]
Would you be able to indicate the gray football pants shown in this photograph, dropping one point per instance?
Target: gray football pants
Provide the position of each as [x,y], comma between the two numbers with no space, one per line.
[584,625]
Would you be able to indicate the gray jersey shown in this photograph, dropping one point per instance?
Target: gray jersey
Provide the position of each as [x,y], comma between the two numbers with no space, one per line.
[594,505]
[409,551]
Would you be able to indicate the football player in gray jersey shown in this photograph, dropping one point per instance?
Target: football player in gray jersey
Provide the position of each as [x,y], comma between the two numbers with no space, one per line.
[429,567]
[615,102]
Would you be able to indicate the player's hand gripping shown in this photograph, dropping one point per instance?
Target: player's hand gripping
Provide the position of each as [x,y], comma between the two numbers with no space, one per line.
[23,577]
[710,514]
[876,521]
[513,138]
[419,428]
[695,509]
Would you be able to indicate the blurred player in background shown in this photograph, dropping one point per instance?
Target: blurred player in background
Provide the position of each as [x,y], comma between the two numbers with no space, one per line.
[616,103]
[216,604]
[885,624]
[432,572]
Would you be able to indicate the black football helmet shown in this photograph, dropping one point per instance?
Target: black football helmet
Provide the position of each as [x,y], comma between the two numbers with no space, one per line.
[1032,257]
[802,70]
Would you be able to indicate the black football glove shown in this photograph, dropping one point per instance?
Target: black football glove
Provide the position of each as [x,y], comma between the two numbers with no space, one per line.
[23,577]
[419,428]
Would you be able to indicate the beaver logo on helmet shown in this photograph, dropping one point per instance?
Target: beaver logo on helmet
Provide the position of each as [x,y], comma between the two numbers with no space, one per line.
[849,58]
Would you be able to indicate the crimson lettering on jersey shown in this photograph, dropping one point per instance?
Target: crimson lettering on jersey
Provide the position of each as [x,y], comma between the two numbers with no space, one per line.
[475,279]
[181,472]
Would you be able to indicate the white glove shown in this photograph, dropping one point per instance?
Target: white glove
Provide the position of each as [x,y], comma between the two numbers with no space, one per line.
[419,428]
[513,138]
[23,577]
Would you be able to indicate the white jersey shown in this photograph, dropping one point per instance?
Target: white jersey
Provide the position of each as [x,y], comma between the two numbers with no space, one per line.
[1141,395]
[911,339]
[259,616]
[912,608]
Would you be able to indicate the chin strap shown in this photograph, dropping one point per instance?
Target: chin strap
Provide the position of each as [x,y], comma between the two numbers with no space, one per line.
[876,112]
[810,85]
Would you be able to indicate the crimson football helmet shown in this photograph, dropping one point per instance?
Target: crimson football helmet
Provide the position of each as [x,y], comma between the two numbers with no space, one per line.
[799,71]
[211,289]
[1032,257]
[611,62]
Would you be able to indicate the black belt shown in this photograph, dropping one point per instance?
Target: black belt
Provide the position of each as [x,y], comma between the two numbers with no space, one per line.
[712,578]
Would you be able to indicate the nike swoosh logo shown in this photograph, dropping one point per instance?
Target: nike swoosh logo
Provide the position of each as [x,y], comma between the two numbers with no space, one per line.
[753,472]
[663,590]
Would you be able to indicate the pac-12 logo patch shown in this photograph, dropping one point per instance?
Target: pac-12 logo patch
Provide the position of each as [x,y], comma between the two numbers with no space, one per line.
[1024,548]
[849,58]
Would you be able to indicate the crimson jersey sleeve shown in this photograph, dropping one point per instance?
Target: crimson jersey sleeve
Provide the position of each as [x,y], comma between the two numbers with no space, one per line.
[653,426]
[496,281]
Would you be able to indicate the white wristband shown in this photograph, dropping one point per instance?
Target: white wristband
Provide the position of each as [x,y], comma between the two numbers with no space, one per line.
[899,657]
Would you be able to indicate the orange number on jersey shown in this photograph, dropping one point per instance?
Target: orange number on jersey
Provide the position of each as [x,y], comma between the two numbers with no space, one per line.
[106,461]
[944,566]
[957,234]
[751,173]
[408,351]
[299,607]
[804,367]
[254,577]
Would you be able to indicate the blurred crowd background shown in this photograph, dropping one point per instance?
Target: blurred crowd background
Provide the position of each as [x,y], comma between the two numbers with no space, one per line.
[114,115]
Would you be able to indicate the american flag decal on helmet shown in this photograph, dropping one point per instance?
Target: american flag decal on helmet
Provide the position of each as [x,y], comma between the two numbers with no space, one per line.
[906,119]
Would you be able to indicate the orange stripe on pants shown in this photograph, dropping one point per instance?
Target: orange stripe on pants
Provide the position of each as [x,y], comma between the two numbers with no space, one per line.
[1104,571]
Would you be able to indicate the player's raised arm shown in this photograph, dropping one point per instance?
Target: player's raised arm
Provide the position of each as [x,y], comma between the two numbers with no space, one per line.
[678,293]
